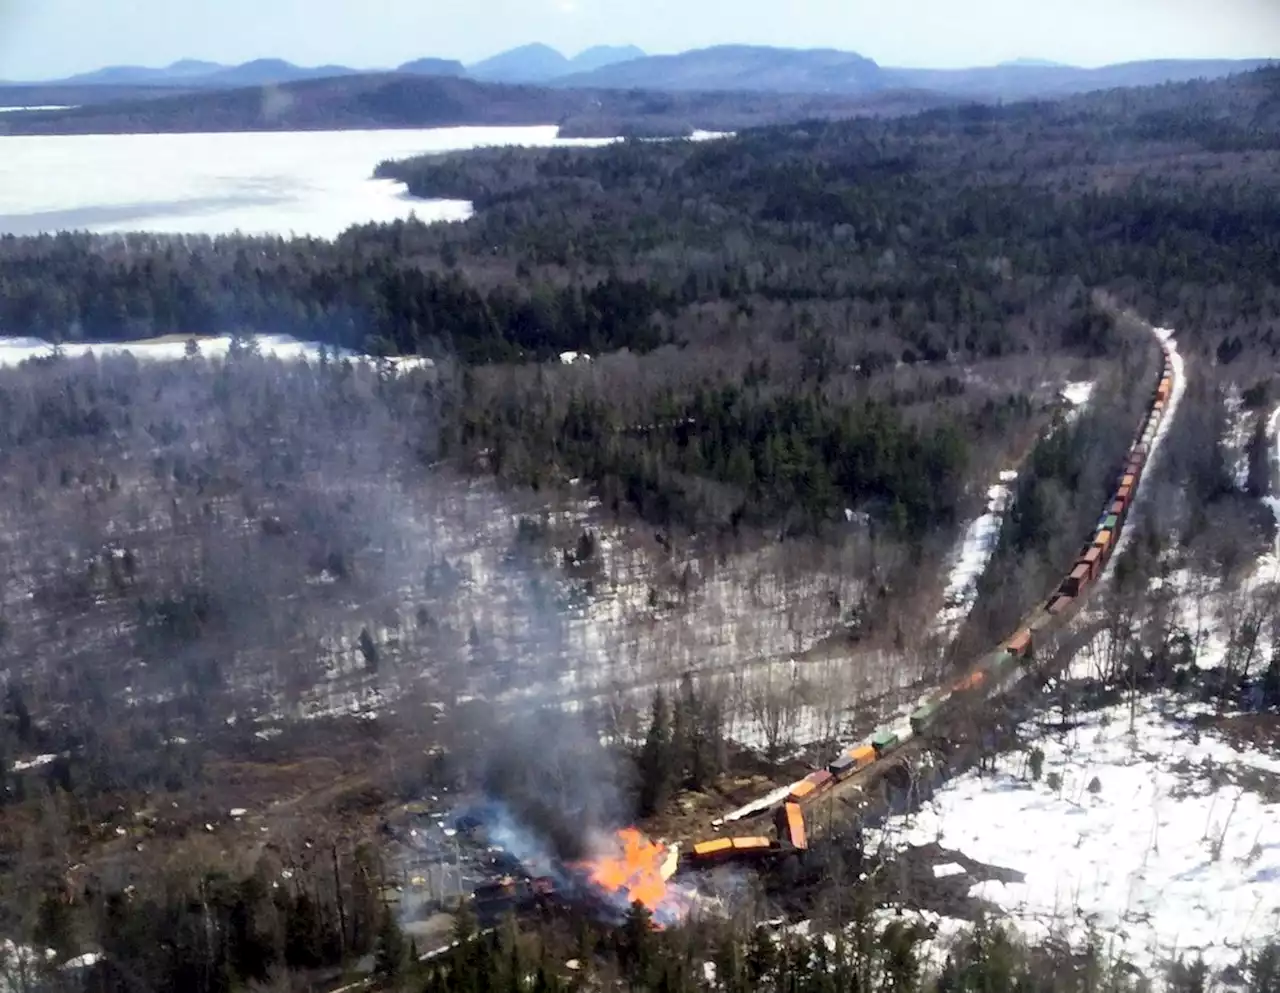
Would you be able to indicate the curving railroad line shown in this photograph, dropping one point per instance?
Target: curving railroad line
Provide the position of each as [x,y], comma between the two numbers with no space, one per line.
[993,675]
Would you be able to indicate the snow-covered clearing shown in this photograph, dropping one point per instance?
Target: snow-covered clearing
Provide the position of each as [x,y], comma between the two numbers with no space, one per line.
[315,183]
[1078,394]
[975,551]
[1240,427]
[1121,832]
[14,351]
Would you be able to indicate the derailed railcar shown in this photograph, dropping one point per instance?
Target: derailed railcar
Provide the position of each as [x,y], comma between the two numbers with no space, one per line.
[789,820]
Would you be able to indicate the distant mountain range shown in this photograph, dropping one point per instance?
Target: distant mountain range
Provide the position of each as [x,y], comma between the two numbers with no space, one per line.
[723,68]
[527,64]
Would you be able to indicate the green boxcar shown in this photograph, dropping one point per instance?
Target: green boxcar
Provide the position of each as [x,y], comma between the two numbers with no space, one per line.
[1000,661]
[882,741]
[921,717]
[1111,522]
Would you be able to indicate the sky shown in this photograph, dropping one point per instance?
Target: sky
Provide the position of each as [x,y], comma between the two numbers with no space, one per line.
[43,39]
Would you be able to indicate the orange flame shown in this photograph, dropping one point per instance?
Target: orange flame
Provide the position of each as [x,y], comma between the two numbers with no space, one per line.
[632,871]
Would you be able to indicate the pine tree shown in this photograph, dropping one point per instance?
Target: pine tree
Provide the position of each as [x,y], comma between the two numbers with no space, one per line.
[656,772]
[390,952]
[1259,452]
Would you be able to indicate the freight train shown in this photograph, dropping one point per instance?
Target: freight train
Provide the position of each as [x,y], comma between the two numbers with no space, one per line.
[995,673]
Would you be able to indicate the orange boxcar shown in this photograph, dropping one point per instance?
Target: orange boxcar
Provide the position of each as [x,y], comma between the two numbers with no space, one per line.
[1020,643]
[863,756]
[972,681]
[1093,560]
[751,844]
[791,825]
[705,849]
[801,790]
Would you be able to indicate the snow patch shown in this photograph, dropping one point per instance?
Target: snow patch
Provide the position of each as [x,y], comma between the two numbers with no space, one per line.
[35,763]
[976,549]
[1122,834]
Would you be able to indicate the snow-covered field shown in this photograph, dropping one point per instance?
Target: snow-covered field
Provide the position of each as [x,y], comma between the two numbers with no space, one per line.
[314,183]
[14,351]
[1123,833]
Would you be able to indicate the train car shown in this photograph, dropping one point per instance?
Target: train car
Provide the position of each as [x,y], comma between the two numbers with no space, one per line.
[923,716]
[1093,559]
[863,756]
[1001,660]
[841,767]
[789,819]
[1020,644]
[969,681]
[1059,604]
[1105,542]
[1075,583]
[751,845]
[801,791]
[884,741]
[1164,389]
[1128,479]
[822,781]
[712,849]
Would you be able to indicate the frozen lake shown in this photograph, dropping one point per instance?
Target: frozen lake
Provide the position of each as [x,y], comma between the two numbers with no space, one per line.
[314,183]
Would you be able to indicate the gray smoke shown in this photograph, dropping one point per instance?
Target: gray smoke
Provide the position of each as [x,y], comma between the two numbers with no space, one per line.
[552,777]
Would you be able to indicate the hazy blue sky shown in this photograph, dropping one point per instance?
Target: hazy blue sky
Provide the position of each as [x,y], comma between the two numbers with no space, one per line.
[47,38]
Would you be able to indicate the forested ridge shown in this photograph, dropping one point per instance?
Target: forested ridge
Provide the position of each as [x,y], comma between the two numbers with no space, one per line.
[413,100]
[809,346]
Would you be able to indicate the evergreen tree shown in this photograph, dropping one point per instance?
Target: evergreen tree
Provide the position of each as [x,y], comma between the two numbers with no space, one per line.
[656,770]
[390,950]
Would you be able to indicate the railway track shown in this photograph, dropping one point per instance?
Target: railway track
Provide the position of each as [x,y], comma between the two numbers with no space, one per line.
[849,777]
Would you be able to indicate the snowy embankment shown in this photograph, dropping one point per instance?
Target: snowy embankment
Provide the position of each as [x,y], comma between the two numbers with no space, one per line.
[975,551]
[1272,499]
[981,536]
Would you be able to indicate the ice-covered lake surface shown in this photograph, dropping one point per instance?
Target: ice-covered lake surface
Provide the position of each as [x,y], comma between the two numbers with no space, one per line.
[312,183]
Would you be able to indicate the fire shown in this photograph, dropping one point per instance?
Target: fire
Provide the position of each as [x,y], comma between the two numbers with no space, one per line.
[636,869]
